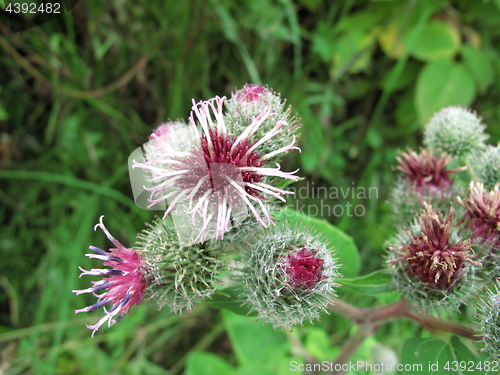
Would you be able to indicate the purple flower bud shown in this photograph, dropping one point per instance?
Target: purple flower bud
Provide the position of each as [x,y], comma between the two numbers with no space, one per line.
[303,269]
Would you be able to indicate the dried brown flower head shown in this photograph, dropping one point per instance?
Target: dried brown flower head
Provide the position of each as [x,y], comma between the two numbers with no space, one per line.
[431,257]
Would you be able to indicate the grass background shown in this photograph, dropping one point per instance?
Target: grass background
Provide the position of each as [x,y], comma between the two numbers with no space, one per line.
[80,93]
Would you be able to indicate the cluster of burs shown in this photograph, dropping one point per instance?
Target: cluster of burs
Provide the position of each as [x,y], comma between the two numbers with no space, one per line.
[447,204]
[219,177]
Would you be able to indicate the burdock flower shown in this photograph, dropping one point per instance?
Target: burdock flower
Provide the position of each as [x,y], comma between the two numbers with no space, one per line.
[427,172]
[221,175]
[483,214]
[431,263]
[178,277]
[456,131]
[488,313]
[425,178]
[288,276]
[253,93]
[124,284]
[303,269]
[248,103]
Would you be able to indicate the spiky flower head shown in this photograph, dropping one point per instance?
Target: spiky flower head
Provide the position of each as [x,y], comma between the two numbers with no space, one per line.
[124,284]
[221,175]
[487,167]
[425,178]
[456,131]
[248,103]
[488,313]
[178,277]
[425,171]
[483,215]
[288,276]
[430,263]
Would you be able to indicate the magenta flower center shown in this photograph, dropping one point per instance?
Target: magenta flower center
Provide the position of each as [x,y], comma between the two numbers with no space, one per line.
[218,167]
[303,269]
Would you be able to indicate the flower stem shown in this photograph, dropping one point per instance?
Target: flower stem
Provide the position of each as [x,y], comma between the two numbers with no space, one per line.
[400,310]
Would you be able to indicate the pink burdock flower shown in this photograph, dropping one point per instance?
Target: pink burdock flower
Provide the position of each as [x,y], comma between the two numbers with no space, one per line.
[250,93]
[434,256]
[425,178]
[220,173]
[426,172]
[432,266]
[162,130]
[124,285]
[483,214]
[303,269]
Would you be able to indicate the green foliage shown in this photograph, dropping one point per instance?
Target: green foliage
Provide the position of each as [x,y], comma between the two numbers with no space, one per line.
[227,299]
[440,84]
[438,40]
[254,344]
[373,284]
[201,363]
[435,356]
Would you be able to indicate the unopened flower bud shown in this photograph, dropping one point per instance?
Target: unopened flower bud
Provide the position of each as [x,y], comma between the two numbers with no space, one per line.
[178,277]
[487,167]
[488,313]
[456,131]
[288,276]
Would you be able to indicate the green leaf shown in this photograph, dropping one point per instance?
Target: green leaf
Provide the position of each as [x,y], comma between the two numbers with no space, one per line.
[318,344]
[390,42]
[405,79]
[252,370]
[227,299]
[479,65]
[440,84]
[312,5]
[254,344]
[202,363]
[438,40]
[352,52]
[3,113]
[431,356]
[371,284]
[344,245]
